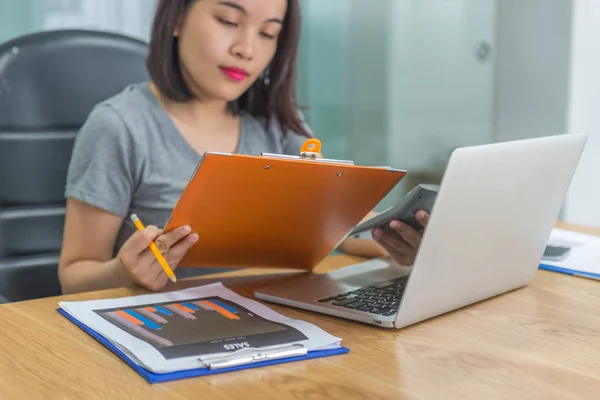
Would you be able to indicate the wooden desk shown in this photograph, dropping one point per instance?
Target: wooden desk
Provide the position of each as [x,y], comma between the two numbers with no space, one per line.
[539,342]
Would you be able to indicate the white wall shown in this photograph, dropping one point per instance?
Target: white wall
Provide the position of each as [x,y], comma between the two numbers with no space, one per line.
[583,201]
[549,83]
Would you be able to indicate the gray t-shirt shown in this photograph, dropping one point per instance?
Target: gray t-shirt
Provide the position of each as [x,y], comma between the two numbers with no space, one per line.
[130,158]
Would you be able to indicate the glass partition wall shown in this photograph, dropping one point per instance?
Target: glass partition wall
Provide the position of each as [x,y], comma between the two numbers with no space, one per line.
[399,82]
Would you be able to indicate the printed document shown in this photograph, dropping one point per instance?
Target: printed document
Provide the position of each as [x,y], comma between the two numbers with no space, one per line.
[174,331]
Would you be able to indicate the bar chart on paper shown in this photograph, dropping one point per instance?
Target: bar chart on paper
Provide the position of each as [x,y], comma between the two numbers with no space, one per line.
[197,326]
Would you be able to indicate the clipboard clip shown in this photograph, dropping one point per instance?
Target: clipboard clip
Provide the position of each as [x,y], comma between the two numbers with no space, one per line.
[252,355]
[310,151]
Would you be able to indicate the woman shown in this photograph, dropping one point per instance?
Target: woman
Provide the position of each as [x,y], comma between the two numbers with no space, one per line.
[222,79]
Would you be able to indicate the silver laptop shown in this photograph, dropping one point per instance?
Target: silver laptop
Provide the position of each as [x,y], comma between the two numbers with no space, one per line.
[487,232]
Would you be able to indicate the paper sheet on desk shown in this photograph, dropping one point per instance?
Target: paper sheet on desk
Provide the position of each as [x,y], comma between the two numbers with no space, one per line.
[169,332]
[584,257]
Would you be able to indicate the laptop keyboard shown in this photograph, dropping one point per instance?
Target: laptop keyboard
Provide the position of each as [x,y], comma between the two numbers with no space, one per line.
[382,299]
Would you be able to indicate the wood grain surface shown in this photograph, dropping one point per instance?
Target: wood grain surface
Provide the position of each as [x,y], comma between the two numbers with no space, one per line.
[538,342]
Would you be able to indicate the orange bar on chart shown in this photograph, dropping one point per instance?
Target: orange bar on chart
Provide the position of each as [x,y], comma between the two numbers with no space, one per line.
[151,309]
[184,308]
[220,310]
[129,317]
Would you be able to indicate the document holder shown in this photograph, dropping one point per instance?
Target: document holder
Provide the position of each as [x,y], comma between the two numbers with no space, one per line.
[275,211]
[216,365]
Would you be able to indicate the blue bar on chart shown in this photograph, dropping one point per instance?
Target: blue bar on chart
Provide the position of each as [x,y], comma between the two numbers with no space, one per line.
[190,306]
[163,310]
[150,313]
[150,324]
[225,306]
[138,329]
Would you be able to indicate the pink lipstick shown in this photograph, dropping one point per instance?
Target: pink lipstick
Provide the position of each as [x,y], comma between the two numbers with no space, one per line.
[236,74]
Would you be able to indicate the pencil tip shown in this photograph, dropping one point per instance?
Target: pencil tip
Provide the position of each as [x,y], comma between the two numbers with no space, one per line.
[173,279]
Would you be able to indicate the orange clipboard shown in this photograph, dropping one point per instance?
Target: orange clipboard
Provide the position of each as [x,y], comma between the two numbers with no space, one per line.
[275,211]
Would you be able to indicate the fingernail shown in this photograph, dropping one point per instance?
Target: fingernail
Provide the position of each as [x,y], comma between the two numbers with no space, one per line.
[194,238]
[376,233]
[185,229]
[395,224]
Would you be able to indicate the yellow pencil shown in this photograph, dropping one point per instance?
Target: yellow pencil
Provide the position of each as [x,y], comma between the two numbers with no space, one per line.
[161,260]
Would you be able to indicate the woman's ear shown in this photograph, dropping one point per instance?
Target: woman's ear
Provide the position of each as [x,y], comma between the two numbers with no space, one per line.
[178,26]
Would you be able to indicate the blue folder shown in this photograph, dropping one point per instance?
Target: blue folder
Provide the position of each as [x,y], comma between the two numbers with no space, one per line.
[570,271]
[152,377]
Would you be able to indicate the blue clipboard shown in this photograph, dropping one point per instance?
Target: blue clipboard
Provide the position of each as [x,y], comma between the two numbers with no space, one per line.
[569,271]
[152,377]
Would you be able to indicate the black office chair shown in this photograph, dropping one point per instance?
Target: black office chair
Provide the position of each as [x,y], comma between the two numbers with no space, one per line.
[49,83]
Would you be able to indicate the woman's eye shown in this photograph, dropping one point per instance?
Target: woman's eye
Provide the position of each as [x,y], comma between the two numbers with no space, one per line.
[226,23]
[267,36]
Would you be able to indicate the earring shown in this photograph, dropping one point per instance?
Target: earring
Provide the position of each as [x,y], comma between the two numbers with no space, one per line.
[266,77]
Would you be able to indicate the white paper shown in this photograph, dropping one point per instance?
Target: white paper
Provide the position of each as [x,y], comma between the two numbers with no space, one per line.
[95,315]
[585,251]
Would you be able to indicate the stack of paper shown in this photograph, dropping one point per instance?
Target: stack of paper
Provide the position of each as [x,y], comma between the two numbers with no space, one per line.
[584,258]
[197,328]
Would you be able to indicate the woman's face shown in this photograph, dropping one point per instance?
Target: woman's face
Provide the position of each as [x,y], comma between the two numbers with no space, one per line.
[224,46]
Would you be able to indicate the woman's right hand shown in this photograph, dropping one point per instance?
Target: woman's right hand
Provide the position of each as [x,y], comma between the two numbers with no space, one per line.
[139,262]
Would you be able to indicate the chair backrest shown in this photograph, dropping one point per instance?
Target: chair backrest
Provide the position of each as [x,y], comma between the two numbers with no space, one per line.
[49,83]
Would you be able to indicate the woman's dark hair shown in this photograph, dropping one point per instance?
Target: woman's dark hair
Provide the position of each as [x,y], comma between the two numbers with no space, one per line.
[273,100]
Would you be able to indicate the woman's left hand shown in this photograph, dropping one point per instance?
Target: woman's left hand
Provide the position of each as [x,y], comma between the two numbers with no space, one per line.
[402,244]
